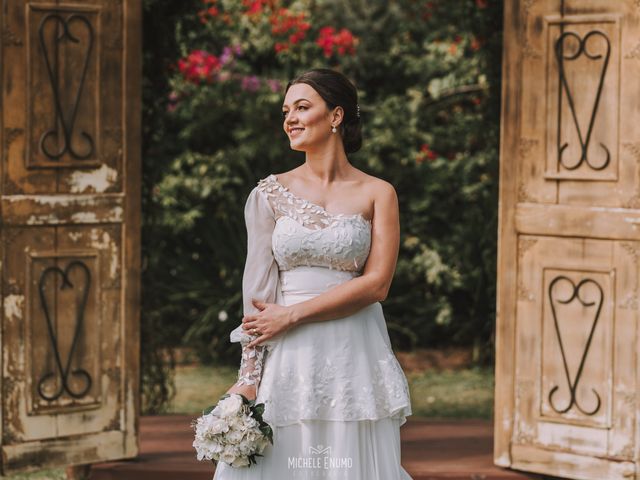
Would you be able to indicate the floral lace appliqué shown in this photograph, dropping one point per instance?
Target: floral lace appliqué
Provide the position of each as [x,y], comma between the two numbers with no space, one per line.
[330,392]
[307,235]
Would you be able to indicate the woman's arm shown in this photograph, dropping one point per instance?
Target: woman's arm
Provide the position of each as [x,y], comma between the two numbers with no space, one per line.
[353,295]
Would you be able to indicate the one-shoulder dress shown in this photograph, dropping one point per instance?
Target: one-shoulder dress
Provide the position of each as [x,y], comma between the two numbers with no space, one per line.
[334,392]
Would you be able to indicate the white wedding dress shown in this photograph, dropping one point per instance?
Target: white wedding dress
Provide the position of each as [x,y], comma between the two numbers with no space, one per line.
[334,392]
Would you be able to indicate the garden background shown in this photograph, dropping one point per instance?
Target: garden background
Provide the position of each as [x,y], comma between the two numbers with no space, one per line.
[428,74]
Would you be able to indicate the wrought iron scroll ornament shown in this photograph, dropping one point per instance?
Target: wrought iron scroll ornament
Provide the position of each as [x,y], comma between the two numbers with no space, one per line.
[64,371]
[67,125]
[573,384]
[561,58]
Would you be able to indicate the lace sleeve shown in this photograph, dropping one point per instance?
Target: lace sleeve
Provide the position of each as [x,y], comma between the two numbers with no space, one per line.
[259,281]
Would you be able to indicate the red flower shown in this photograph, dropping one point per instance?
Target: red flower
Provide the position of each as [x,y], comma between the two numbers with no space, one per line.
[293,25]
[343,41]
[426,154]
[482,3]
[209,12]
[199,66]
[253,7]
[427,11]
[475,44]
[325,40]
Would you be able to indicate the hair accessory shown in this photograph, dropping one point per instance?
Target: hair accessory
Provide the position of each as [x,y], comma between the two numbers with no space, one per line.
[358,110]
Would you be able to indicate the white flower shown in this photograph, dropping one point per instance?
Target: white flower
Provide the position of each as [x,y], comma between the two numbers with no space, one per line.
[234,436]
[261,444]
[240,462]
[230,405]
[219,425]
[228,456]
[229,433]
[223,316]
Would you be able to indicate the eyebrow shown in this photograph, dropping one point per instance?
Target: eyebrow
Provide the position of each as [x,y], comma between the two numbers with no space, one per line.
[298,100]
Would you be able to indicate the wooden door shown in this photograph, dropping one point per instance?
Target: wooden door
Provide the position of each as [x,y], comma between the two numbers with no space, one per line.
[569,239]
[70,209]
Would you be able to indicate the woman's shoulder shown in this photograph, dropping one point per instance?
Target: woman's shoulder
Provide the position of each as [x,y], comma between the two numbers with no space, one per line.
[370,185]
[365,179]
[377,187]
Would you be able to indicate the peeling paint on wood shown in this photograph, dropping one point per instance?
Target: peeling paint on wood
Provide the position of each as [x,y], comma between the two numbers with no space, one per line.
[98,180]
[102,241]
[43,209]
[13,307]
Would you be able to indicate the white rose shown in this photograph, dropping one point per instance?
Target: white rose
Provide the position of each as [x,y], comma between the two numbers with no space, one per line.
[234,436]
[235,422]
[246,447]
[240,462]
[230,405]
[261,444]
[227,457]
[219,425]
[250,423]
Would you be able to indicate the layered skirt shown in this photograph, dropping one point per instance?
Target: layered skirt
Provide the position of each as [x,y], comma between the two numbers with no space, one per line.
[334,394]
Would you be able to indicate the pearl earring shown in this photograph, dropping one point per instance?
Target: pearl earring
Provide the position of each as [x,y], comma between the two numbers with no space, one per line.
[333,129]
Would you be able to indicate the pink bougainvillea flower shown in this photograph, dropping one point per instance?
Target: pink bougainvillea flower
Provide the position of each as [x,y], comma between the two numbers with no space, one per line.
[250,83]
[274,85]
[229,53]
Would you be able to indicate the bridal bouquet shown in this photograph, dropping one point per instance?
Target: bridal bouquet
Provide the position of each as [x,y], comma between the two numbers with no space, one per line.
[233,431]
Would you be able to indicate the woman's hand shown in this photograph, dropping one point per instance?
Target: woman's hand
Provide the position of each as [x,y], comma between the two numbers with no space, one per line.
[248,391]
[271,320]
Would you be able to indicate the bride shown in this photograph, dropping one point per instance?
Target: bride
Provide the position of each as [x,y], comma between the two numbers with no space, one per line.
[323,242]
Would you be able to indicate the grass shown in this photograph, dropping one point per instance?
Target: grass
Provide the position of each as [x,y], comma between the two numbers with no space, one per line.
[464,393]
[452,394]
[197,387]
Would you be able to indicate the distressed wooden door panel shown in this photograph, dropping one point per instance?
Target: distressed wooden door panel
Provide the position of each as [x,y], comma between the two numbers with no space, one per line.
[569,240]
[69,184]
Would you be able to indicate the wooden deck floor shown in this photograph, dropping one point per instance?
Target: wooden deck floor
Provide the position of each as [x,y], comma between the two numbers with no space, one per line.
[431,450]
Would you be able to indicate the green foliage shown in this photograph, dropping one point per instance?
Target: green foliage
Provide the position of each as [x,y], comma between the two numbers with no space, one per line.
[428,77]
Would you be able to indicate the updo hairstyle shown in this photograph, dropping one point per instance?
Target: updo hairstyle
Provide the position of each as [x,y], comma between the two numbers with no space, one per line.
[337,90]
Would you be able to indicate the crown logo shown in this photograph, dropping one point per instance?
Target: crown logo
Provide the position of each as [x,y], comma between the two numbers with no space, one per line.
[320,449]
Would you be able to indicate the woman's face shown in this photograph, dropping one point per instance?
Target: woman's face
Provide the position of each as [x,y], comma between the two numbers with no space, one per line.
[306,118]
